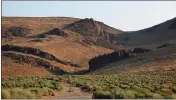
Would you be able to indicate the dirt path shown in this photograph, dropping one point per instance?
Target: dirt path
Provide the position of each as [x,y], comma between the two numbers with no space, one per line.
[75,93]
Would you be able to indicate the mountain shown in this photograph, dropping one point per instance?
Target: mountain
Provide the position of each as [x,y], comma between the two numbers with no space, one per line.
[151,37]
[95,32]
[64,45]
[62,55]
[55,36]
[161,42]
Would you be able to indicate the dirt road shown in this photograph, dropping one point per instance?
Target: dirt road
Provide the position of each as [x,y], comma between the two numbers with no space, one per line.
[73,93]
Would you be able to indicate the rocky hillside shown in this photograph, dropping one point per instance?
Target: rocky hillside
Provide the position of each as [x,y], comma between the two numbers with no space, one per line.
[96,33]
[15,31]
[155,44]
[52,43]
[72,44]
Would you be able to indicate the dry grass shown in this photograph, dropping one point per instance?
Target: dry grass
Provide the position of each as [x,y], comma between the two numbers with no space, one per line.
[12,68]
[37,24]
[64,48]
[16,68]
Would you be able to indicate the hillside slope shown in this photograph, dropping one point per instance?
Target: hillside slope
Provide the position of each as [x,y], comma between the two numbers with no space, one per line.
[157,59]
[50,35]
[96,33]
[37,24]
[77,41]
[150,37]
[161,39]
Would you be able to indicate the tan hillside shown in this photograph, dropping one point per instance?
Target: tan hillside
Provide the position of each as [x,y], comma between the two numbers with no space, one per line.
[37,24]
[76,41]
[68,47]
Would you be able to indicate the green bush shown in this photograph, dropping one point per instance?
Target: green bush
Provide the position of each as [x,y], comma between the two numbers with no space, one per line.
[149,95]
[157,96]
[42,92]
[129,94]
[102,95]
[5,94]
[132,85]
[30,82]
[78,84]
[124,86]
[117,93]
[18,93]
[139,95]
[173,96]
[60,87]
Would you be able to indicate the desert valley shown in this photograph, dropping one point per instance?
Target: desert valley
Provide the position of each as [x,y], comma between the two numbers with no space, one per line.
[65,57]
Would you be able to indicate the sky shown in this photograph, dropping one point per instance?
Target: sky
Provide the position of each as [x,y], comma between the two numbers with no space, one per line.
[124,15]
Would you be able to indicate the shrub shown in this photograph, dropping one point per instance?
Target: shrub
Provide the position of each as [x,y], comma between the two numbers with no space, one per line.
[5,94]
[88,87]
[102,95]
[157,96]
[124,86]
[173,96]
[55,85]
[139,95]
[42,92]
[174,89]
[18,93]
[129,94]
[60,87]
[167,91]
[117,93]
[149,95]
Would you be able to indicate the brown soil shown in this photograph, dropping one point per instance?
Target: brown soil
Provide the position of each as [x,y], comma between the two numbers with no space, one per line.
[13,68]
[75,93]
[35,62]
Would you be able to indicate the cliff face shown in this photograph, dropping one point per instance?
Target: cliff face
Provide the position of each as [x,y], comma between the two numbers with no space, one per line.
[102,60]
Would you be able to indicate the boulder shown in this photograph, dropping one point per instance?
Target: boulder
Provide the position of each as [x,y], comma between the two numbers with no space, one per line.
[140,50]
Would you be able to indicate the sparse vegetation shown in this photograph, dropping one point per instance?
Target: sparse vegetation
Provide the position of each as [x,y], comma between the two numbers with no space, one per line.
[29,87]
[125,85]
[148,75]
[156,84]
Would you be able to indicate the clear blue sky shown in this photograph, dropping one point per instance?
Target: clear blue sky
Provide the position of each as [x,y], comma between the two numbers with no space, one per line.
[124,15]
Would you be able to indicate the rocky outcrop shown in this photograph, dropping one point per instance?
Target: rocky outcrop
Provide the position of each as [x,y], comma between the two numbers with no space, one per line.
[95,32]
[35,62]
[140,50]
[102,60]
[36,52]
[15,31]
[55,31]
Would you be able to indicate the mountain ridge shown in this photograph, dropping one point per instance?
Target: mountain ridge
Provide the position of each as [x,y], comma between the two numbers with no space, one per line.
[84,39]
